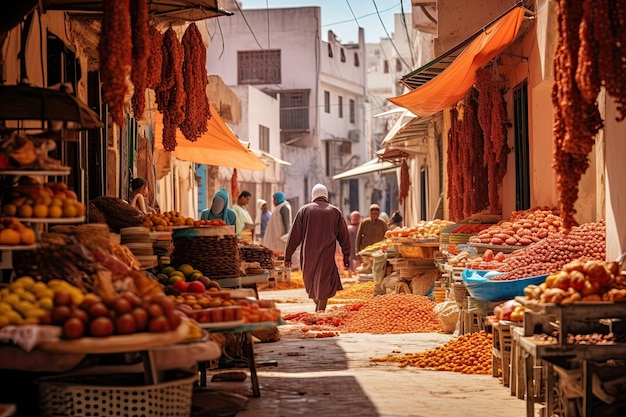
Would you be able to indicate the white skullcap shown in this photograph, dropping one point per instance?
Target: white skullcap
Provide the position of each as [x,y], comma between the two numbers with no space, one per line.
[319,191]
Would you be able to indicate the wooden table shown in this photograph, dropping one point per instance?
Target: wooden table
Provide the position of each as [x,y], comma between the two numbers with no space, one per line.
[248,349]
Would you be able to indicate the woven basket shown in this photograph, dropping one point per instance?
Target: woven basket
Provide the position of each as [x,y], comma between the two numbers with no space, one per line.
[460,294]
[214,256]
[114,395]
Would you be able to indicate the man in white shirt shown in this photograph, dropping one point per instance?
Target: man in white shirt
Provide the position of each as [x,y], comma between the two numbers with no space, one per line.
[243,215]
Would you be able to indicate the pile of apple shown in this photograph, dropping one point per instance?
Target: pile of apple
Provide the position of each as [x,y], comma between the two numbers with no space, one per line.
[185,279]
[51,200]
[166,221]
[113,315]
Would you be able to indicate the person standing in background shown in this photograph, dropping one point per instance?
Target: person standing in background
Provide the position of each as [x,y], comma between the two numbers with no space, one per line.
[219,209]
[371,229]
[278,225]
[243,215]
[353,227]
[262,217]
[317,228]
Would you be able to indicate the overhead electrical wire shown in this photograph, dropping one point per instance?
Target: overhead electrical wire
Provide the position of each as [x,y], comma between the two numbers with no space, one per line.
[247,24]
[387,33]
[406,30]
[352,11]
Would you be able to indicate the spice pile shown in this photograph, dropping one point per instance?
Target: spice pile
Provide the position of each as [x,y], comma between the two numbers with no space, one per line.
[468,354]
[357,291]
[386,314]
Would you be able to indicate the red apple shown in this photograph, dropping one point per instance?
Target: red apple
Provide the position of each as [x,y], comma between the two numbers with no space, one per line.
[181,285]
[80,314]
[155,310]
[98,310]
[196,286]
[62,298]
[141,318]
[158,325]
[125,324]
[101,327]
[73,328]
[60,314]
[122,306]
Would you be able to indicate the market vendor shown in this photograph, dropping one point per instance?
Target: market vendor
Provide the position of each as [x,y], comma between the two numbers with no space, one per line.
[219,209]
[243,215]
[371,230]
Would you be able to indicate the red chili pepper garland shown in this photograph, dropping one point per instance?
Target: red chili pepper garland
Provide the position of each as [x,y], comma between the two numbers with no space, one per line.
[405,182]
[155,60]
[197,112]
[170,93]
[141,50]
[115,55]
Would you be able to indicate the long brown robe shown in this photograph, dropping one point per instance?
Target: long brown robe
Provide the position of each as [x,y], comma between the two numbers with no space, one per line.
[317,228]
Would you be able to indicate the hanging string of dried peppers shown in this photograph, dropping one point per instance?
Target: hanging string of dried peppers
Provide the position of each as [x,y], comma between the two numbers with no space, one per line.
[170,93]
[114,52]
[405,182]
[155,59]
[455,184]
[141,49]
[195,79]
[492,118]
[234,188]
[576,118]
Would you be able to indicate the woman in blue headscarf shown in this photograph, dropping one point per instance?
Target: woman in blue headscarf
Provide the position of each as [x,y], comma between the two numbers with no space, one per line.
[219,209]
[279,224]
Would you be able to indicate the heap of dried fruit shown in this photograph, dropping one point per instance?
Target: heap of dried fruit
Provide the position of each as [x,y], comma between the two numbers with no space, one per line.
[468,354]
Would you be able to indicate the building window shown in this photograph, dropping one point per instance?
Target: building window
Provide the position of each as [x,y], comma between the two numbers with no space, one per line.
[520,127]
[327,101]
[294,110]
[343,55]
[264,138]
[356,60]
[352,111]
[340,99]
[330,50]
[386,66]
[398,65]
[259,67]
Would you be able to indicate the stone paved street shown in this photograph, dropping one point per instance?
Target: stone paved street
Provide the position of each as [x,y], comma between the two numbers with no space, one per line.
[335,377]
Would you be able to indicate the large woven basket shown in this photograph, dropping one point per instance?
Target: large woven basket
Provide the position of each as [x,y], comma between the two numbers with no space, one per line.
[114,395]
[213,251]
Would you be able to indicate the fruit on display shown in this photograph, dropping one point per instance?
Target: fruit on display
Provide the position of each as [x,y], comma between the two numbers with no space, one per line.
[581,281]
[488,261]
[185,278]
[166,221]
[204,300]
[121,314]
[522,229]
[27,301]
[51,200]
[213,222]
[14,232]
[423,230]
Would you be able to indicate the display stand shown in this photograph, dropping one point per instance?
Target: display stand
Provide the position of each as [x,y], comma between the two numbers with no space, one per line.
[248,350]
[537,349]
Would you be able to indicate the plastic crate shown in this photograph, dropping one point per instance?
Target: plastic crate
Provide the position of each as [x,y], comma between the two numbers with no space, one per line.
[115,395]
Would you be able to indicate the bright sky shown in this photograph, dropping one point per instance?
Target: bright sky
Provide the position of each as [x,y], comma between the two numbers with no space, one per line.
[339,15]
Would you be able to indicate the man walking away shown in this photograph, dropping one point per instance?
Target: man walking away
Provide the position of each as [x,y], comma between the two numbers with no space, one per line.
[278,225]
[317,228]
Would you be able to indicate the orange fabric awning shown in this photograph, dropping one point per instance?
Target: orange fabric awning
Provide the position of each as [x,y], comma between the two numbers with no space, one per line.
[451,85]
[218,146]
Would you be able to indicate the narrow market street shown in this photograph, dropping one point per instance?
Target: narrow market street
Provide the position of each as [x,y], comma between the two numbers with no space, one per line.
[334,376]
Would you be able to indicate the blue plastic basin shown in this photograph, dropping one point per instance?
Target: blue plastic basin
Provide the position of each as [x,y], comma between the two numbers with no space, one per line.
[481,287]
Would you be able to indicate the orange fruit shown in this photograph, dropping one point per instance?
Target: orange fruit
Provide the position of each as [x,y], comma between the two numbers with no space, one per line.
[9,237]
[9,210]
[27,236]
[55,212]
[25,210]
[40,211]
